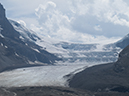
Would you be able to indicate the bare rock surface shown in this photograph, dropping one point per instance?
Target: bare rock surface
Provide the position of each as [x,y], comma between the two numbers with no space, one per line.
[112,76]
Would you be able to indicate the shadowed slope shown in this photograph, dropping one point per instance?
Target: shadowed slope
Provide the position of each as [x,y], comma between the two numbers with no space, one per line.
[15,52]
[104,77]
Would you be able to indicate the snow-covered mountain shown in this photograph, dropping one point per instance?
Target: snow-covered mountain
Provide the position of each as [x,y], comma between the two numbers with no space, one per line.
[71,53]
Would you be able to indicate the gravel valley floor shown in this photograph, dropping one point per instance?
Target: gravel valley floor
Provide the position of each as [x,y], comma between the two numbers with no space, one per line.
[53,91]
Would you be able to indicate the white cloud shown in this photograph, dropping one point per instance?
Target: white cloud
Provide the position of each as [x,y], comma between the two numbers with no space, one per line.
[73,20]
[79,7]
[22,22]
[84,18]
[51,19]
[98,39]
[111,11]
[98,28]
[104,10]
[43,9]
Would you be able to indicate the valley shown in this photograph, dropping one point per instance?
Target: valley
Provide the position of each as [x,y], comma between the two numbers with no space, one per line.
[35,65]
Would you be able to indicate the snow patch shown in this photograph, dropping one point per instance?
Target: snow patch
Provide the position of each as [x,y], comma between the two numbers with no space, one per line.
[16,54]
[1,44]
[26,44]
[22,22]
[1,35]
[21,38]
[0,32]
[35,50]
[6,46]
[37,62]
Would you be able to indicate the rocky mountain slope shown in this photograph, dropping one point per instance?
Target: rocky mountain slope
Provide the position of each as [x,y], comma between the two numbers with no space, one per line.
[16,52]
[42,91]
[107,77]
[124,42]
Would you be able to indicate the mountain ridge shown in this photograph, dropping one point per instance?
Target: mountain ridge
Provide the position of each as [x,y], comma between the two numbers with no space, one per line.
[16,52]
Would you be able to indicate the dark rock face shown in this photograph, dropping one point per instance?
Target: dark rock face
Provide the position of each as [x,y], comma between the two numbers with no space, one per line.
[123,62]
[105,77]
[7,28]
[2,12]
[14,52]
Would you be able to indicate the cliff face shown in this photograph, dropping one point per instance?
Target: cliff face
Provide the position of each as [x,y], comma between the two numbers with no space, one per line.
[8,57]
[2,12]
[122,65]
[7,28]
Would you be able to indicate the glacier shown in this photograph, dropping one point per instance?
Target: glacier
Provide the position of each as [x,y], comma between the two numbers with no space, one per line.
[39,76]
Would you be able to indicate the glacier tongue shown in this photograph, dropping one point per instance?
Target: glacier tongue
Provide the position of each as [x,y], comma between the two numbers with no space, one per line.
[38,76]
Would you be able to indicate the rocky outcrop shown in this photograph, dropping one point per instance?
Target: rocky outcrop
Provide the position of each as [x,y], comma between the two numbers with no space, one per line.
[123,61]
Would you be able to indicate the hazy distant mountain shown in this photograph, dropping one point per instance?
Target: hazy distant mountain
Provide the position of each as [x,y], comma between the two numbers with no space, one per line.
[16,49]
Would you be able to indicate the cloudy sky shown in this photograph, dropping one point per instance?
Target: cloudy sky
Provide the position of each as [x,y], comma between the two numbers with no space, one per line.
[86,21]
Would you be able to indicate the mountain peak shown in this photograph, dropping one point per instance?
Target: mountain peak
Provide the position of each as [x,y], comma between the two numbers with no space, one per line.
[2,11]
